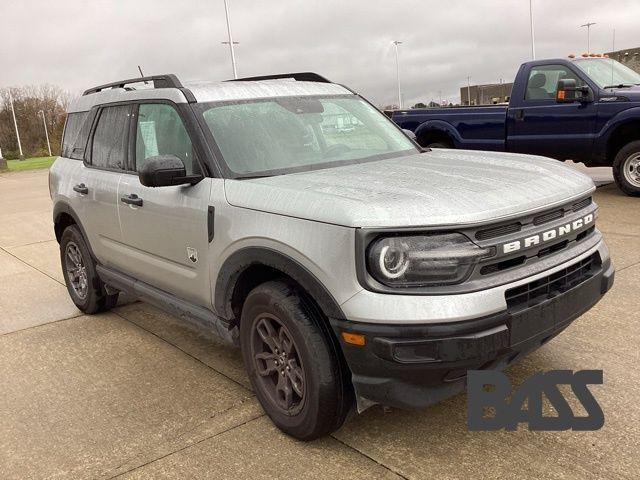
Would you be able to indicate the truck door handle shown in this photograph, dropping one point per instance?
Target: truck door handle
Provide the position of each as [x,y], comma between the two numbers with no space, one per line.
[519,115]
[81,188]
[132,199]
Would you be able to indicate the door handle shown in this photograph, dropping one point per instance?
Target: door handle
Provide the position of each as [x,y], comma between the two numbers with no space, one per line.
[132,199]
[81,188]
[519,115]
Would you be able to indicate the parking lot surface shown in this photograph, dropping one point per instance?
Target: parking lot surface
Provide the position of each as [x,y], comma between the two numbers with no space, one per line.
[134,394]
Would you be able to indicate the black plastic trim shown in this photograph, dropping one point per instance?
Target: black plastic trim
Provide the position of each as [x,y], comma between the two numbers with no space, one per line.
[242,259]
[299,76]
[211,213]
[168,80]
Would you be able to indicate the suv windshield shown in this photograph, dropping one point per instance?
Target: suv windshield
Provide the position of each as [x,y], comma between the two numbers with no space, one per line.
[276,136]
[607,72]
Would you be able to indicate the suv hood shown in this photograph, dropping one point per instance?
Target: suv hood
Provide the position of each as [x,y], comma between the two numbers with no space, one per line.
[441,187]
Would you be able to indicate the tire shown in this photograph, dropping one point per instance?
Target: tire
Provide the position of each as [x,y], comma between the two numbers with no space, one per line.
[319,394]
[85,288]
[438,145]
[626,169]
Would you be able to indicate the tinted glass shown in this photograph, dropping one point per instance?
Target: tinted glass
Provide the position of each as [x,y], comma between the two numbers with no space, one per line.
[109,148]
[161,132]
[543,81]
[289,134]
[71,130]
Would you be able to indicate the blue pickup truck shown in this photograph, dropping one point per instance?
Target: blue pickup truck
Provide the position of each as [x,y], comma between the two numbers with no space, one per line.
[582,109]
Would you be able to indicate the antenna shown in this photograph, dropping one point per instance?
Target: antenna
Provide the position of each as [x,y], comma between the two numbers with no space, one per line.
[142,74]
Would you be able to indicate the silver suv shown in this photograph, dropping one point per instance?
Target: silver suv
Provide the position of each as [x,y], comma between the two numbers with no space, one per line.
[292,218]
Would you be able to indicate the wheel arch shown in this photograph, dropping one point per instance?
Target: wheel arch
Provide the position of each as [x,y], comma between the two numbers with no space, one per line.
[63,216]
[251,266]
[437,130]
[622,134]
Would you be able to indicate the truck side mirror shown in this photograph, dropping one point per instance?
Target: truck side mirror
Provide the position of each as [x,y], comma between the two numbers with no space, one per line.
[568,92]
[164,171]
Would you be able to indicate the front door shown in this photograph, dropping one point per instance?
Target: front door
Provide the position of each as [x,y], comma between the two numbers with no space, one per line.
[165,237]
[540,126]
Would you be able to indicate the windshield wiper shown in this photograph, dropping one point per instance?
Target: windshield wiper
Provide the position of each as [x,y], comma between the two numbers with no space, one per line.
[621,85]
[252,177]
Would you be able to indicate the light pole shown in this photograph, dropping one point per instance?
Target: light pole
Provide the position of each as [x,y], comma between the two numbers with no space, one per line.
[46,131]
[15,125]
[230,41]
[396,43]
[533,39]
[588,25]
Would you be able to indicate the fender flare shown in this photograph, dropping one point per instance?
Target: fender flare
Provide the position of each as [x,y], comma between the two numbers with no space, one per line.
[64,208]
[442,127]
[244,258]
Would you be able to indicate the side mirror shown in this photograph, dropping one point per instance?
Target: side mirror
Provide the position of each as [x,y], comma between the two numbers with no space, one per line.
[164,171]
[568,92]
[409,134]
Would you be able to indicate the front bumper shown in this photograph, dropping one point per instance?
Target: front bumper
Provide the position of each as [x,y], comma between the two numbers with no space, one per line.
[413,366]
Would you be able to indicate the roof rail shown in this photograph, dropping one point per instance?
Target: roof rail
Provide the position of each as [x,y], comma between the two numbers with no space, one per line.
[159,81]
[300,77]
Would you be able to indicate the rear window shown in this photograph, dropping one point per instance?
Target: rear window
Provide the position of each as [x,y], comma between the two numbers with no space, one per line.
[71,131]
[111,137]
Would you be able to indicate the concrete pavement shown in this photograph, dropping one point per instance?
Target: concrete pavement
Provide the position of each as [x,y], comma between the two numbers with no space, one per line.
[134,394]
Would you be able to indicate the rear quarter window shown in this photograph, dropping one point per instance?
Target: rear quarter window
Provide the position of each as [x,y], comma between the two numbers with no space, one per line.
[72,129]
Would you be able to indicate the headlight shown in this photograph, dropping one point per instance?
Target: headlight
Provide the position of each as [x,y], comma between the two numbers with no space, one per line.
[421,260]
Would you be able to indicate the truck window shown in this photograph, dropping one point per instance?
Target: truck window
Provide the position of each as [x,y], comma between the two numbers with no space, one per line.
[160,131]
[543,81]
[109,147]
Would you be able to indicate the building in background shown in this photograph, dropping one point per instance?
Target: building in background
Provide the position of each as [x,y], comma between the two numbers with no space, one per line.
[488,94]
[629,57]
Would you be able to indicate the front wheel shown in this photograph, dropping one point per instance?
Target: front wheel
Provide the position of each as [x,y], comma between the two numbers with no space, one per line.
[626,169]
[292,365]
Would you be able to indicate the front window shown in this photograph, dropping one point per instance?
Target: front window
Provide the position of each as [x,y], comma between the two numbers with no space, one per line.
[606,72]
[293,134]
[543,81]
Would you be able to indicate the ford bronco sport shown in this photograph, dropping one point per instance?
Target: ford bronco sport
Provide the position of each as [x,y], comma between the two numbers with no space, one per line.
[292,218]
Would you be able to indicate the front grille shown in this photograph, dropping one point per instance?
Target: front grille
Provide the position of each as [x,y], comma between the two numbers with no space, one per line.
[493,232]
[581,204]
[548,217]
[532,293]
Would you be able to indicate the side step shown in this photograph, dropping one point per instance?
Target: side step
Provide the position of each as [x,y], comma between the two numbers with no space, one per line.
[197,316]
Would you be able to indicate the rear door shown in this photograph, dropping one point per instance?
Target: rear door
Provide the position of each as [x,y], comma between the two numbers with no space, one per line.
[105,160]
[538,125]
[165,239]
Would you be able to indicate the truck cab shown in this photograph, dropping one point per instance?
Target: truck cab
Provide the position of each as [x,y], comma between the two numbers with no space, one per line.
[584,109]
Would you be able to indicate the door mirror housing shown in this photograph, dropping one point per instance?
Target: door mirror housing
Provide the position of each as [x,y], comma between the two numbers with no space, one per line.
[569,92]
[164,171]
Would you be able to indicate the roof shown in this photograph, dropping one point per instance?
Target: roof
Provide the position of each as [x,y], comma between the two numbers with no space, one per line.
[209,92]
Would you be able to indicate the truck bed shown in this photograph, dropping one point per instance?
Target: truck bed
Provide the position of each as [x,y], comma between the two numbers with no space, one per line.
[480,127]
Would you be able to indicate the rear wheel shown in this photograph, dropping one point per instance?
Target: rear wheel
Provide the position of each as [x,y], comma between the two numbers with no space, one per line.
[291,363]
[626,169]
[79,269]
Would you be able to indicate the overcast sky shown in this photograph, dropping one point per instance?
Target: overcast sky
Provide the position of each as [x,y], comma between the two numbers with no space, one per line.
[77,44]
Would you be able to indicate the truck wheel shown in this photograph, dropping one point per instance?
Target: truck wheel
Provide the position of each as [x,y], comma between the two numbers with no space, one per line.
[626,169]
[292,365]
[79,269]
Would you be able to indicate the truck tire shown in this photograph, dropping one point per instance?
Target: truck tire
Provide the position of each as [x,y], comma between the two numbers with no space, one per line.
[85,288]
[626,169]
[292,365]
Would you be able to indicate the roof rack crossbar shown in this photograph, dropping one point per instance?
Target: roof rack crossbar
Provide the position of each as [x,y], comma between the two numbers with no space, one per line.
[159,81]
[299,76]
